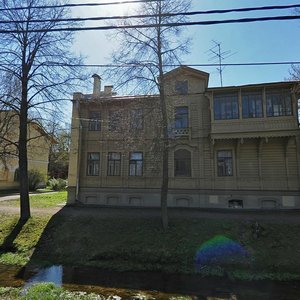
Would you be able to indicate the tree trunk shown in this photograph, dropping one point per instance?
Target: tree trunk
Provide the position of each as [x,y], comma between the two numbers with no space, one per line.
[165,159]
[23,161]
[163,106]
[165,188]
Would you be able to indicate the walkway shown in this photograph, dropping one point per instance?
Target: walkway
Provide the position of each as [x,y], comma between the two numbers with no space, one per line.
[17,196]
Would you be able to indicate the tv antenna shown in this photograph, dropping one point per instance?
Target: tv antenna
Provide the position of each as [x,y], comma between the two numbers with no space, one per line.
[217,55]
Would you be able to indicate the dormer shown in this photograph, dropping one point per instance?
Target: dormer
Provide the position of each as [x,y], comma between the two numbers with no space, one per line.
[185,80]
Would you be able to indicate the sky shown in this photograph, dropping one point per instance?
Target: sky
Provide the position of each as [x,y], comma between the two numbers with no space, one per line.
[271,41]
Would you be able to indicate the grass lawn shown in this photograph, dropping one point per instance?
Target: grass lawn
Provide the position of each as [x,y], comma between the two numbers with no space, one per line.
[41,200]
[138,244]
[26,240]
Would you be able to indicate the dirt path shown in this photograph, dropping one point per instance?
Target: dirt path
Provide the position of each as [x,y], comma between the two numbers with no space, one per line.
[292,216]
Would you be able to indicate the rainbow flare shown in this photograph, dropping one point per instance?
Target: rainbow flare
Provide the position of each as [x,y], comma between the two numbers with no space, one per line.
[220,250]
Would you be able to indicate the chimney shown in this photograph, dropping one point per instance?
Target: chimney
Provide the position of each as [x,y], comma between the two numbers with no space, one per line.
[108,90]
[97,85]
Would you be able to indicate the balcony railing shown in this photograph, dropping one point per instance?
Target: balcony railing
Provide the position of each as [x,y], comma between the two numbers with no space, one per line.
[182,131]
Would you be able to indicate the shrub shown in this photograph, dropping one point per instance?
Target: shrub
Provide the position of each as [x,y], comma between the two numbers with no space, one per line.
[35,179]
[57,184]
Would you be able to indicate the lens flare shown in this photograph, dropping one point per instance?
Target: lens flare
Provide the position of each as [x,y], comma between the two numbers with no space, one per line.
[220,250]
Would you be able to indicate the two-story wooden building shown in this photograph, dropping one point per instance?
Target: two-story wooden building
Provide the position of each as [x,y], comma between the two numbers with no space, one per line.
[38,147]
[230,147]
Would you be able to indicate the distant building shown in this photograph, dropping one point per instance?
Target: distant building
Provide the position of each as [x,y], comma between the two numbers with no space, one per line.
[38,150]
[236,146]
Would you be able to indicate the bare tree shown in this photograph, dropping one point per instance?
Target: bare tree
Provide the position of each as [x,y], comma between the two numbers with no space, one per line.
[37,68]
[148,53]
[59,150]
[294,72]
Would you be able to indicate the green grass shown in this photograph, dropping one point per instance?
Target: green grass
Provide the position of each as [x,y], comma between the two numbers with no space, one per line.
[8,293]
[139,244]
[26,240]
[41,200]
[46,291]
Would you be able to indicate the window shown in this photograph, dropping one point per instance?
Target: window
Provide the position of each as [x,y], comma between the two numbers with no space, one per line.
[137,119]
[181,117]
[93,164]
[226,106]
[114,164]
[235,203]
[182,163]
[114,120]
[252,105]
[225,163]
[181,87]
[94,121]
[136,164]
[278,103]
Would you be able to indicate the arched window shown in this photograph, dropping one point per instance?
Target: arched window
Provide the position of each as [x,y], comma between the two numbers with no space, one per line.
[182,163]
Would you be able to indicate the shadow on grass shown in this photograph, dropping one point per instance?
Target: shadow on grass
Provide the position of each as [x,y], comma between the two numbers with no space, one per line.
[8,243]
[4,193]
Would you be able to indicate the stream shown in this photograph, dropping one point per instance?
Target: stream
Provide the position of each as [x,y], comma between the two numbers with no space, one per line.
[128,285]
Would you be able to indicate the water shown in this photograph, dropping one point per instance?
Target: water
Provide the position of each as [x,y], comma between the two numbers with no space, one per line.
[52,274]
[152,284]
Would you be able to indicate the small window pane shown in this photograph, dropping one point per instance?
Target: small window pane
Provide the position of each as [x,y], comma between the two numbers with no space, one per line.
[182,163]
[94,121]
[93,164]
[252,105]
[114,164]
[226,106]
[136,155]
[225,163]
[278,103]
[137,121]
[181,117]
[136,164]
[181,87]
[114,123]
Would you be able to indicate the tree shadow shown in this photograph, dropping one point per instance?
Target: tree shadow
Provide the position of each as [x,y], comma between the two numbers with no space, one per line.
[8,243]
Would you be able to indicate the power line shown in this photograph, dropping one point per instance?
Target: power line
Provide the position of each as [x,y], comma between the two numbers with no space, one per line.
[167,65]
[75,5]
[191,13]
[114,27]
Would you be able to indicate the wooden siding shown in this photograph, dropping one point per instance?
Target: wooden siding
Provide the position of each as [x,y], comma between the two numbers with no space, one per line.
[265,154]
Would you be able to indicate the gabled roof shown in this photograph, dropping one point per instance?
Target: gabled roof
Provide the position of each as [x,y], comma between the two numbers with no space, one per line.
[43,132]
[185,70]
[13,115]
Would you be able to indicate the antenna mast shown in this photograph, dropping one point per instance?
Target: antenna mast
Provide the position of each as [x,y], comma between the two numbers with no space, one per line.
[216,54]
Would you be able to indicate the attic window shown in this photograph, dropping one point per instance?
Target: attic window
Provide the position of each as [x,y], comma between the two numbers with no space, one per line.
[181,87]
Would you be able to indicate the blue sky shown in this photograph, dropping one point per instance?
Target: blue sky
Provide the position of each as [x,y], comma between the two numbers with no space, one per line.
[251,42]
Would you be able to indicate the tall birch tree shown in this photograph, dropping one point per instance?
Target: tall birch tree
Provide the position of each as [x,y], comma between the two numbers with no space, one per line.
[148,53]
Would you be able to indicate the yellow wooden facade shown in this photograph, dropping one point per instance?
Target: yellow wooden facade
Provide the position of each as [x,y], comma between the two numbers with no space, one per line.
[229,147]
[38,152]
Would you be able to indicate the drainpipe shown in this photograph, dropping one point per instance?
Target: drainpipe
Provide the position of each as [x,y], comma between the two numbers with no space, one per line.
[79,153]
